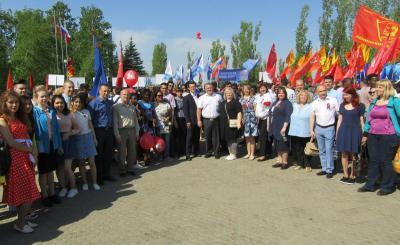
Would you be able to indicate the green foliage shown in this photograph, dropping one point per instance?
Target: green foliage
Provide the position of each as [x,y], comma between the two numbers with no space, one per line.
[32,53]
[244,46]
[92,20]
[301,32]
[160,57]
[325,25]
[217,50]
[7,40]
[132,60]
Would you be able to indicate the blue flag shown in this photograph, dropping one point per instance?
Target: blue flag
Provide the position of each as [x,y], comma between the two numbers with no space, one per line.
[387,72]
[100,73]
[250,64]
[197,67]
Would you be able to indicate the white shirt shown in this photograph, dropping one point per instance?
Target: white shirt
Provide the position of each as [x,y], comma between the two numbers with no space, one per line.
[325,111]
[291,95]
[194,97]
[209,105]
[263,104]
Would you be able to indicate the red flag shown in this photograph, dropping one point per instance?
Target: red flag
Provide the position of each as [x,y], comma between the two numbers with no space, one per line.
[31,82]
[120,75]
[285,72]
[373,29]
[338,76]
[10,83]
[318,76]
[388,52]
[356,63]
[270,67]
[198,35]
[301,71]
[46,81]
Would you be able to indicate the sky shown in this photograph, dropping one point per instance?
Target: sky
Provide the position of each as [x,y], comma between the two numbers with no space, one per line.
[176,22]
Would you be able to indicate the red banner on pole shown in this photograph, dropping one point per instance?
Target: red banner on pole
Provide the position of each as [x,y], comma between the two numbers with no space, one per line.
[373,29]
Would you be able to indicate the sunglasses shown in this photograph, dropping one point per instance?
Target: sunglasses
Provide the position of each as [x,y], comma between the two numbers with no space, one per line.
[371,92]
[159,95]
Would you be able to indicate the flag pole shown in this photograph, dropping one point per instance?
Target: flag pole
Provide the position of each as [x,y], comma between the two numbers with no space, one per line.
[62,51]
[55,37]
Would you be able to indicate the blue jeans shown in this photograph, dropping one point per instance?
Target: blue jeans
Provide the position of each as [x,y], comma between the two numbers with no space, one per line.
[325,138]
[381,151]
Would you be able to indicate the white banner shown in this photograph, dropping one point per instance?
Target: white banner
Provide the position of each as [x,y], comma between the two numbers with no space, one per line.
[56,80]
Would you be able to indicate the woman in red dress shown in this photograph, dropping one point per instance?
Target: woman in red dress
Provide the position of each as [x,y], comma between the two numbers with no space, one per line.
[20,189]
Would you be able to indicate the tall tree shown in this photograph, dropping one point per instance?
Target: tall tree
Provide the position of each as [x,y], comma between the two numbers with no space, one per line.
[92,20]
[132,60]
[217,50]
[7,40]
[325,26]
[341,38]
[159,61]
[243,46]
[301,32]
[189,59]
[34,37]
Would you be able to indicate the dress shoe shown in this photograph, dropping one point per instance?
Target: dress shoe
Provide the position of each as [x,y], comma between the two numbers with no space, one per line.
[122,174]
[207,155]
[285,166]
[363,189]
[277,165]
[384,193]
[321,173]
[132,173]
[329,175]
[55,199]
[217,156]
[109,178]
[188,158]
[47,202]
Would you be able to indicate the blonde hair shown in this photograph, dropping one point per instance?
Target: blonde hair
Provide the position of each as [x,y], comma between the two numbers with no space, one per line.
[388,90]
[58,91]
[303,92]
[39,88]
[228,89]
[248,87]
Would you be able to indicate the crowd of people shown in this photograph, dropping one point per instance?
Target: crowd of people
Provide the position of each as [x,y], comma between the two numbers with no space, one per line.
[63,129]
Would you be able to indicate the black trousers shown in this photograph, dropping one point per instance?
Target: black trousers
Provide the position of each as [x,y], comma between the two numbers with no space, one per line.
[381,149]
[192,140]
[263,138]
[298,145]
[211,132]
[179,137]
[105,138]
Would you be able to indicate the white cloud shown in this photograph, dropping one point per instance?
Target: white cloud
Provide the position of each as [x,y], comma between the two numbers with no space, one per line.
[177,47]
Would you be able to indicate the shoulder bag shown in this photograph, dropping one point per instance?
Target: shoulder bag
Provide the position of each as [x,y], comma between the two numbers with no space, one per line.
[232,122]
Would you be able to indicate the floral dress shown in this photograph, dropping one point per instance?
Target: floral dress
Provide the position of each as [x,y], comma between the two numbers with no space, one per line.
[21,184]
[249,116]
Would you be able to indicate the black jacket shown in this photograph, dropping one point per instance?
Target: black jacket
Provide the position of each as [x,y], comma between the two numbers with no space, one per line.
[190,109]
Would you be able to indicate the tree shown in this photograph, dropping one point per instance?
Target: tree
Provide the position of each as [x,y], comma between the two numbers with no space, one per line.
[325,26]
[301,32]
[34,37]
[159,61]
[132,60]
[243,46]
[92,20]
[190,59]
[7,41]
[217,50]
[341,39]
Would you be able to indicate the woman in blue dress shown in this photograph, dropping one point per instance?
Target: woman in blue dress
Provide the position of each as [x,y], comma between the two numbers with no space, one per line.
[349,131]
[249,121]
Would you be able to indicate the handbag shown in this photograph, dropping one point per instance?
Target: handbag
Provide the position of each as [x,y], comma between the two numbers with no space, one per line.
[396,161]
[311,149]
[232,122]
[5,158]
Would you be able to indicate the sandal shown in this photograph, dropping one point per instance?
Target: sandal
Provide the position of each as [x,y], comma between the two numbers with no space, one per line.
[247,156]
[308,169]
[251,158]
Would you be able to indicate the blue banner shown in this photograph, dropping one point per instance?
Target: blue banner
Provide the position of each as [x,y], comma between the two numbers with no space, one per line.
[235,75]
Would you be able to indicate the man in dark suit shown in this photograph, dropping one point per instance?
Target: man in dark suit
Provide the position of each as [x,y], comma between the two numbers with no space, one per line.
[193,131]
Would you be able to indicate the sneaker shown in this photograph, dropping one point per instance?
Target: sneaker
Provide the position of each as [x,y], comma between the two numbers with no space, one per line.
[25,229]
[31,216]
[85,187]
[139,166]
[31,224]
[298,167]
[63,192]
[96,187]
[230,157]
[73,192]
